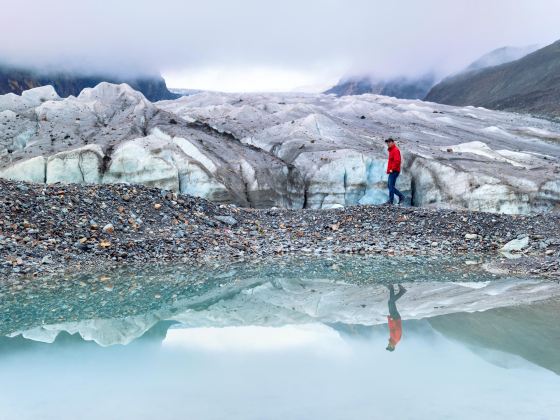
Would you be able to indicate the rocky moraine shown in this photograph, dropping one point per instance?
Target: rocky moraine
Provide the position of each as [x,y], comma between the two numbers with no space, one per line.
[69,228]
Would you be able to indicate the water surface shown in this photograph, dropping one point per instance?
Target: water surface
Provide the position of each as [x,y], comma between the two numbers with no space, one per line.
[295,339]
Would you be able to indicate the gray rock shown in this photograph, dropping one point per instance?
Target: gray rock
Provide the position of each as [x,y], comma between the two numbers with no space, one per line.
[516,245]
[228,220]
[472,236]
[109,228]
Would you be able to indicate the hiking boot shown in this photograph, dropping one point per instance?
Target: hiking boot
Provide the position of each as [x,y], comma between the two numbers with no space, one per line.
[402,289]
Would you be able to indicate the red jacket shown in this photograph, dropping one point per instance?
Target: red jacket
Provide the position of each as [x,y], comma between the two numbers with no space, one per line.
[394,160]
[395,330]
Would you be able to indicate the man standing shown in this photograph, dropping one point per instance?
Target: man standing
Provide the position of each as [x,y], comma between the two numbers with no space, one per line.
[394,170]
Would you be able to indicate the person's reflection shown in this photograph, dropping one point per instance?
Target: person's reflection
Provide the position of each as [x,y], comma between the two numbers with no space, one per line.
[394,318]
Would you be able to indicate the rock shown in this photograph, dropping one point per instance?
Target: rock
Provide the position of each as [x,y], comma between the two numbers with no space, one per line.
[516,245]
[228,220]
[46,260]
[472,236]
[109,228]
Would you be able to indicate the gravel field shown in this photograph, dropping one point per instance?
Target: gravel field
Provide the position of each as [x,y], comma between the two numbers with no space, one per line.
[56,229]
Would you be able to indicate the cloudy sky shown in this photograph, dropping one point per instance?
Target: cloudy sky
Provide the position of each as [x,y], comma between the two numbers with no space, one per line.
[257,45]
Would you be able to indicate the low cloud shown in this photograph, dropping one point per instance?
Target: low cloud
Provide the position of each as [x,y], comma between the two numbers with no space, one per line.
[327,38]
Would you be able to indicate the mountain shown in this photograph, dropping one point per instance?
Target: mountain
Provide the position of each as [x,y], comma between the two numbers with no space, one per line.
[16,80]
[400,87]
[283,150]
[418,88]
[528,85]
[501,56]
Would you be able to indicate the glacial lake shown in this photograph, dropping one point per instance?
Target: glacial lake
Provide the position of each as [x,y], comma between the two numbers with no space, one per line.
[283,339]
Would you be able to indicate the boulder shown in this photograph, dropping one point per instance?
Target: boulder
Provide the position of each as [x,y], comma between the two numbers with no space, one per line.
[517,245]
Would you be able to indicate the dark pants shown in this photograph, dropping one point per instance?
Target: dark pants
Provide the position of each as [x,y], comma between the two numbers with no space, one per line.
[391,184]
[393,303]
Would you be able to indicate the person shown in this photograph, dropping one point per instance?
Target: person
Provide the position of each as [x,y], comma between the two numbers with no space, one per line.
[394,170]
[394,318]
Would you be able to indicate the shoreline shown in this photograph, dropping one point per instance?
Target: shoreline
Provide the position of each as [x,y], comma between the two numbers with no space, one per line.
[69,228]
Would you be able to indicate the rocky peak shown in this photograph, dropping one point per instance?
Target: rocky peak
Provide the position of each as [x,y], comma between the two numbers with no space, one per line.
[18,80]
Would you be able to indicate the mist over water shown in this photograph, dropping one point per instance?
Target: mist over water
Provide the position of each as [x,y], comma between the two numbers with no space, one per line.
[305,371]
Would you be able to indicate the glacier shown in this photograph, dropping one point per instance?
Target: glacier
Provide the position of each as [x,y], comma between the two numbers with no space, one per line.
[283,150]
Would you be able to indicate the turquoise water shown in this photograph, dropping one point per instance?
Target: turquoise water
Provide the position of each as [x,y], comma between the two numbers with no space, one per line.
[282,340]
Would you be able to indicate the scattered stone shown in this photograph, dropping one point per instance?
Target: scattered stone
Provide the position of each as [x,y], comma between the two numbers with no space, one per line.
[36,237]
[516,245]
[109,228]
[228,220]
[471,236]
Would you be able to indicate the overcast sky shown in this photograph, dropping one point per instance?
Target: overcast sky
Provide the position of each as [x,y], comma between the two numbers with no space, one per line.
[249,45]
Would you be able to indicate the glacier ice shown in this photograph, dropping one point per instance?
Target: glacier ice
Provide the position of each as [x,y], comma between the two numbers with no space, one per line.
[283,150]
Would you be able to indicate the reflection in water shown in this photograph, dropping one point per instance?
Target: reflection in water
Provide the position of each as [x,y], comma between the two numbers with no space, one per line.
[394,318]
[530,331]
[281,342]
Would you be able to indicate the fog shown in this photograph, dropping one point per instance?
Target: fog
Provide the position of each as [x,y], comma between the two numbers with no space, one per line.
[293,372]
[289,44]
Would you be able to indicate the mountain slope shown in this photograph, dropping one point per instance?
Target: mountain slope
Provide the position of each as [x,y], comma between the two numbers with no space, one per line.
[17,80]
[501,56]
[401,87]
[528,85]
